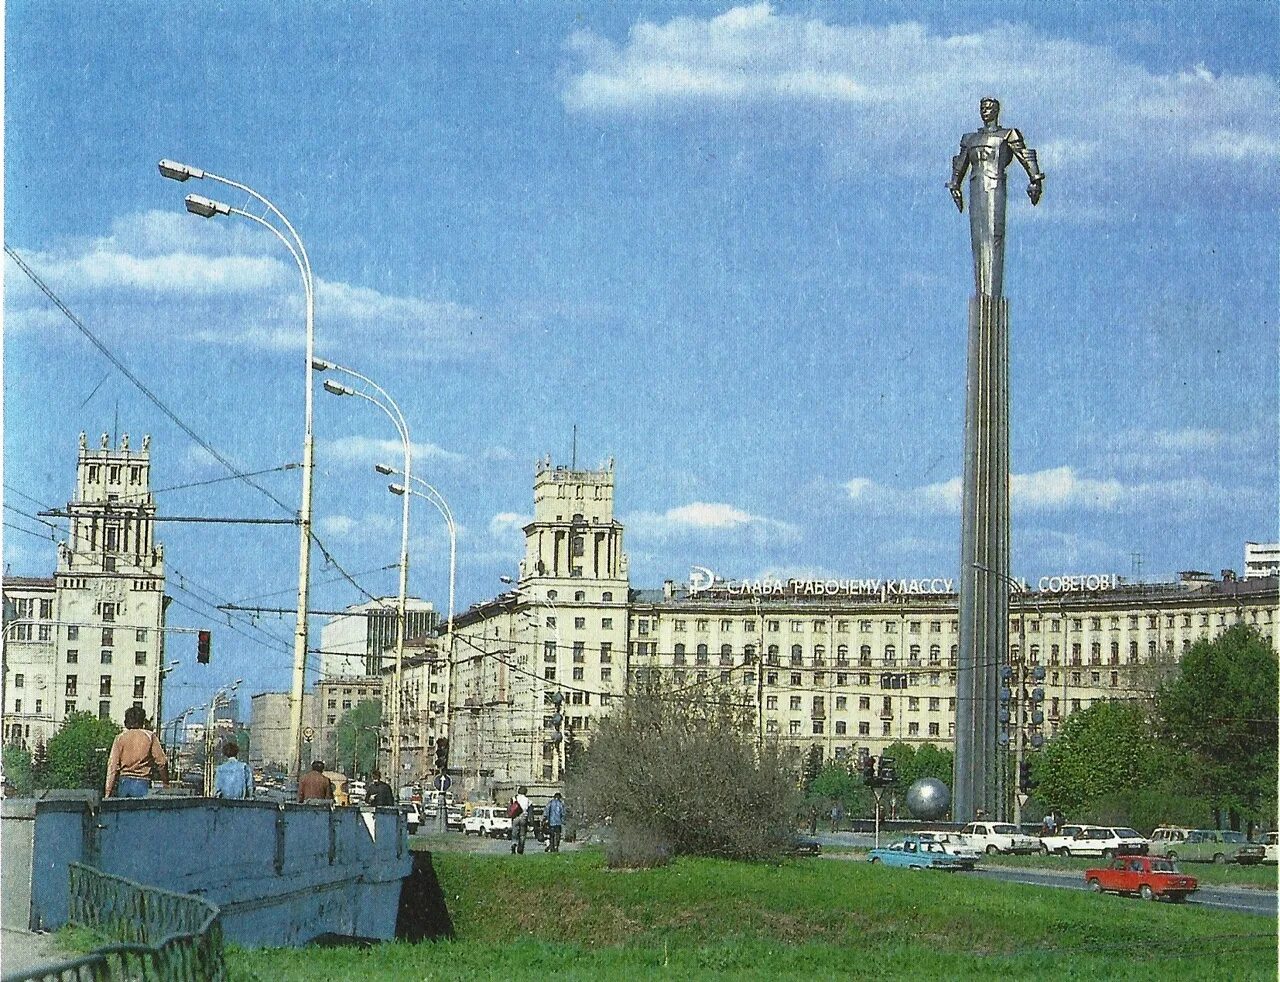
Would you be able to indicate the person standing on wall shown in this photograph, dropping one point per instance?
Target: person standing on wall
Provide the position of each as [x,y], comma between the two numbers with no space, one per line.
[379,791]
[136,755]
[519,813]
[233,778]
[555,822]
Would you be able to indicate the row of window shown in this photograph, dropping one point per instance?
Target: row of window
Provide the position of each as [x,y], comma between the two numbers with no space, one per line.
[580,596]
[606,623]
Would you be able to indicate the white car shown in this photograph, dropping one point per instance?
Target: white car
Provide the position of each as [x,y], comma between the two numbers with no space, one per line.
[1107,842]
[994,837]
[953,843]
[1060,842]
[487,820]
[1272,846]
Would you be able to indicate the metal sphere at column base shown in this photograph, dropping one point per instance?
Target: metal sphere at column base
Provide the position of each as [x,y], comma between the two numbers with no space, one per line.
[928,799]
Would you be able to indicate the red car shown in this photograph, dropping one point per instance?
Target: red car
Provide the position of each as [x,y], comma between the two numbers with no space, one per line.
[1149,876]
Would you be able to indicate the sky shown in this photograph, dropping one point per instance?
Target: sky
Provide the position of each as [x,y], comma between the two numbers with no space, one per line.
[714,238]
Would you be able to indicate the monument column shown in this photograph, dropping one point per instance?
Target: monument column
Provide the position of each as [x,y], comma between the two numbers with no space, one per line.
[984,537]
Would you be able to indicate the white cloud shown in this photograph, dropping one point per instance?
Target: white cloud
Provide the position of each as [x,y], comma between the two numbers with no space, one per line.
[703,517]
[881,92]
[366,450]
[1051,490]
[217,283]
[364,529]
[508,524]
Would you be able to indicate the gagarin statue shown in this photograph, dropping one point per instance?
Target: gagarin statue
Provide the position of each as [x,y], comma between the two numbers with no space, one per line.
[987,152]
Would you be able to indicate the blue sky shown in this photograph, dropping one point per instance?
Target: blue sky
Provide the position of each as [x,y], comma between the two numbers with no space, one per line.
[716,238]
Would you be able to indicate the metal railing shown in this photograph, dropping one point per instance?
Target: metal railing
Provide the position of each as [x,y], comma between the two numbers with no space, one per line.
[166,936]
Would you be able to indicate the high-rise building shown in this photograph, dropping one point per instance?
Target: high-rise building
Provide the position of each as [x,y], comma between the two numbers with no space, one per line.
[1261,559]
[91,638]
[359,640]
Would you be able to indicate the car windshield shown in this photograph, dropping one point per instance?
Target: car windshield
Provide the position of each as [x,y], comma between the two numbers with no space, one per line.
[1128,833]
[1004,829]
[1233,837]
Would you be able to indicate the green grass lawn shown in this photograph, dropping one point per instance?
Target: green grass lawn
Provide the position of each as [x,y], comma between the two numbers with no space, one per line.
[569,917]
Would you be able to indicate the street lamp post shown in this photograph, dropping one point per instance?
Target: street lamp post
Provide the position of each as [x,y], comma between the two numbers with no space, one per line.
[207,208]
[392,410]
[434,496]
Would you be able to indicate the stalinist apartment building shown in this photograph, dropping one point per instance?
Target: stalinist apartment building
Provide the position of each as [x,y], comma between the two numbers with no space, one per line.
[91,637]
[848,666]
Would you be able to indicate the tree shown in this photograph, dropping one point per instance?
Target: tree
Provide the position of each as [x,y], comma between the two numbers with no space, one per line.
[358,735]
[18,770]
[1108,749]
[679,773]
[78,753]
[1221,708]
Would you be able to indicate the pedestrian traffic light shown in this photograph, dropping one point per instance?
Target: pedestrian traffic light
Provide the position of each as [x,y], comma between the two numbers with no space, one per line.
[868,770]
[204,645]
[442,754]
[1025,783]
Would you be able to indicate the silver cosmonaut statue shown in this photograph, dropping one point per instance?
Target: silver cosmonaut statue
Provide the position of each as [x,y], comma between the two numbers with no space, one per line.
[986,153]
[928,799]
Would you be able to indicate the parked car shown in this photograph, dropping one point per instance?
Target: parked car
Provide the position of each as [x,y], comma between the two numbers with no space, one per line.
[952,842]
[453,819]
[1150,877]
[1105,841]
[802,845]
[356,791]
[912,853]
[1271,848]
[487,820]
[994,837]
[414,817]
[1205,846]
[1057,843]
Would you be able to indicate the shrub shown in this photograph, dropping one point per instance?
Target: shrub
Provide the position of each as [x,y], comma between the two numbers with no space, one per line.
[682,772]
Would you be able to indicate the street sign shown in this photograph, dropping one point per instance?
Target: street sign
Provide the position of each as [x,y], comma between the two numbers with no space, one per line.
[308,732]
[1022,798]
[443,782]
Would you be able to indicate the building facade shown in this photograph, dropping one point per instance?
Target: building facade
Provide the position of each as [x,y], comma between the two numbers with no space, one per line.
[269,728]
[1261,559]
[357,641]
[101,647]
[849,666]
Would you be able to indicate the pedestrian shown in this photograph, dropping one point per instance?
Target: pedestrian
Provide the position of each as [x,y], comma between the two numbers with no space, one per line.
[813,819]
[837,816]
[233,778]
[555,822]
[136,758]
[379,791]
[519,812]
[314,786]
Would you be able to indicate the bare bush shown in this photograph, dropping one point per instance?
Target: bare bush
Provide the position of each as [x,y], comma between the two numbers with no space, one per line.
[683,772]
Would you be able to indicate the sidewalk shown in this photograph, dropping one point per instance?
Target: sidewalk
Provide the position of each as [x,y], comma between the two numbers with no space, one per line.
[24,950]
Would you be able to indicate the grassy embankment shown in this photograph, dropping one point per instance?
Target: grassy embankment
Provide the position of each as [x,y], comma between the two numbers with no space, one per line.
[568,917]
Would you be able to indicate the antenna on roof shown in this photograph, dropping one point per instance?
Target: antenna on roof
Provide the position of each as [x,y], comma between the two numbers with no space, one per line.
[573,456]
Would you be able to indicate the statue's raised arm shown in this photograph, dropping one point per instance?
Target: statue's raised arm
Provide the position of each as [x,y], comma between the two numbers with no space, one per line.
[984,155]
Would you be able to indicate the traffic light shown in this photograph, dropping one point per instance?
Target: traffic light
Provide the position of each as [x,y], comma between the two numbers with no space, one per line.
[442,755]
[868,770]
[204,646]
[1025,783]
[557,719]
[888,773]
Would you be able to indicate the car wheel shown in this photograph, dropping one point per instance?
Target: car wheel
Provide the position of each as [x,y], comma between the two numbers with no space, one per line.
[1094,885]
[915,867]
[1108,854]
[1178,898]
[874,860]
[1061,851]
[1219,858]
[992,850]
[1171,856]
[1044,850]
[1147,892]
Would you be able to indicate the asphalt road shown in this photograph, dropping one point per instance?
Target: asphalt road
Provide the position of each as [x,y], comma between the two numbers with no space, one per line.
[1240,899]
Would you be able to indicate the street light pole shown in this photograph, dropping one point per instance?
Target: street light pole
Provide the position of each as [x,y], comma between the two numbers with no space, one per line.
[206,208]
[392,410]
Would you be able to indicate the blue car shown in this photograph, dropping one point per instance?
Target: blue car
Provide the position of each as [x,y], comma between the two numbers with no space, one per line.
[916,854]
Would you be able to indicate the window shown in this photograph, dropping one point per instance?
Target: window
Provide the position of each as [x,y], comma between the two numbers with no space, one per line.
[1115,680]
[914,627]
[842,654]
[794,727]
[795,702]
[748,627]
[913,703]
[73,633]
[73,656]
[579,622]
[726,624]
[775,626]
[842,703]
[548,651]
[864,625]
[1075,678]
[795,679]
[702,656]
[864,728]
[841,727]
[139,686]
[818,726]
[577,675]
[679,625]
[19,680]
[702,624]
[886,706]
[606,652]
[913,654]
[607,596]
[864,678]
[886,728]
[606,675]
[819,706]
[139,657]
[678,657]
[890,654]
[749,654]
[106,656]
[797,625]
[913,729]
[1035,654]
[1075,705]
[104,710]
[549,673]
[842,678]
[773,654]
[771,702]
[606,623]
[108,613]
[864,655]
[933,729]
[934,704]
[72,682]
[580,596]
[108,637]
[333,704]
[579,651]
[890,627]
[1095,653]
[104,685]
[726,654]
[864,702]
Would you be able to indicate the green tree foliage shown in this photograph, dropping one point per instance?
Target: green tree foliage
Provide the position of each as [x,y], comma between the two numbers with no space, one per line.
[914,763]
[1105,750]
[357,736]
[77,753]
[678,773]
[18,770]
[1221,709]
[810,768]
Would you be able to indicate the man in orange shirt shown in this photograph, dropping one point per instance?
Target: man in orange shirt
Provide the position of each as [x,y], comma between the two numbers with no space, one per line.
[314,786]
[135,755]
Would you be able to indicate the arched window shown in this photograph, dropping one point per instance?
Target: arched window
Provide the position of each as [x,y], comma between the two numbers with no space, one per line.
[773,654]
[890,654]
[864,655]
[935,654]
[702,654]
[842,655]
[819,655]
[797,655]
[679,655]
[726,654]
[607,596]
[580,595]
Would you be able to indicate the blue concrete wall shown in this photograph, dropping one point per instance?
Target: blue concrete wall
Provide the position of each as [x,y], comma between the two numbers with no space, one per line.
[280,874]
